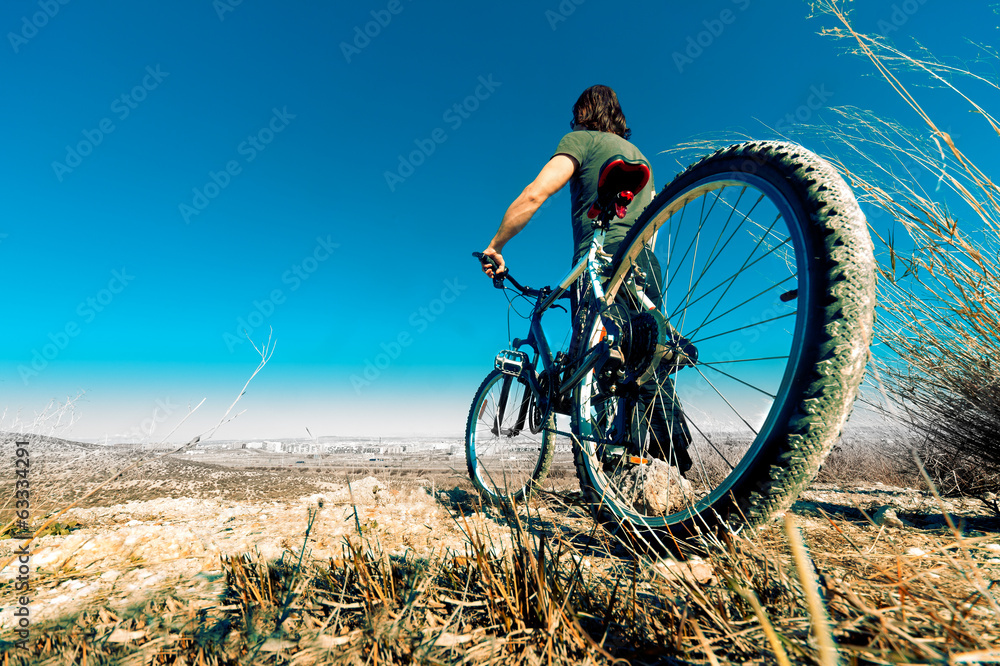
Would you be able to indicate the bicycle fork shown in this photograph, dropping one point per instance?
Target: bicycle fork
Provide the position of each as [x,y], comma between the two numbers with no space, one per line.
[513,364]
[522,414]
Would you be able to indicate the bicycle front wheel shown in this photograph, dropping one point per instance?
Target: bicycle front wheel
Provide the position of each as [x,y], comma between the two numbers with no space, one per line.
[509,444]
[759,260]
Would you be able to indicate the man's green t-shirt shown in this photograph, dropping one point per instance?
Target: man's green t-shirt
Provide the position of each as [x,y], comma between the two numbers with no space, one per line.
[591,150]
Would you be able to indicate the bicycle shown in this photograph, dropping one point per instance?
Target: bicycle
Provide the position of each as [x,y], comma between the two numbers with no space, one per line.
[719,359]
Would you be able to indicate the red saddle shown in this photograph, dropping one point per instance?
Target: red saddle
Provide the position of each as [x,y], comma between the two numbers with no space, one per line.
[619,180]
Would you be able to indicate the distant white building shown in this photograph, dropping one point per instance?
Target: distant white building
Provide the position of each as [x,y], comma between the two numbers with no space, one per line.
[255,445]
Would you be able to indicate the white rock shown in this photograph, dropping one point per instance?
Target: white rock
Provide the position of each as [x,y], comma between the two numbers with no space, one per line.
[656,488]
[45,557]
[886,516]
[315,498]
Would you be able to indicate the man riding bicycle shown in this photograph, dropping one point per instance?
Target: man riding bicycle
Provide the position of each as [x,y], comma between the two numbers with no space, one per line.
[599,134]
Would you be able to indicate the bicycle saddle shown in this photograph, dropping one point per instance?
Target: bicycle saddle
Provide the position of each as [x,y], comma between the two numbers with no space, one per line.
[617,184]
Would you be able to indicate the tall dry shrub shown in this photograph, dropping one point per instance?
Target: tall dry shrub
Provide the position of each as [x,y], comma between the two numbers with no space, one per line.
[936,217]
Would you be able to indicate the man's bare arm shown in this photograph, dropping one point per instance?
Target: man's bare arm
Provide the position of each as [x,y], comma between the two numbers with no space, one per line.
[552,178]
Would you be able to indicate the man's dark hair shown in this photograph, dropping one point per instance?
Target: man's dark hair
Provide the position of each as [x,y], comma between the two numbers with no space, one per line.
[598,109]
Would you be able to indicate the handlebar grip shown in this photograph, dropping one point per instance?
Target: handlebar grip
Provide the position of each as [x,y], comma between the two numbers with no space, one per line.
[497,277]
[481,257]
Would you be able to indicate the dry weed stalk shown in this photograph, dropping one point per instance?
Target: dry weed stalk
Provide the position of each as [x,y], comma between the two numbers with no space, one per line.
[265,352]
[939,318]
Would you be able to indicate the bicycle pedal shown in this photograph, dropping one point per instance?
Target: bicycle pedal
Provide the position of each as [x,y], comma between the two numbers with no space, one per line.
[511,362]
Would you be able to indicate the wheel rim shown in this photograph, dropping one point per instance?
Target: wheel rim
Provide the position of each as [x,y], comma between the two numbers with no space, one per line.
[732,245]
[503,453]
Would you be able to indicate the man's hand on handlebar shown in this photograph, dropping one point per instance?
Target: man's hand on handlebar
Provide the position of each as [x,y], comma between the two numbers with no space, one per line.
[494,267]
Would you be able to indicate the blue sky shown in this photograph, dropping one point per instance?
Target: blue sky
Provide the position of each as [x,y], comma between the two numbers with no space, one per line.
[177,173]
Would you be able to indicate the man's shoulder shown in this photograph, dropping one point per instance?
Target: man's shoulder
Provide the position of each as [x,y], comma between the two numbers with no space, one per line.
[614,140]
[590,145]
[609,145]
[576,143]
[578,137]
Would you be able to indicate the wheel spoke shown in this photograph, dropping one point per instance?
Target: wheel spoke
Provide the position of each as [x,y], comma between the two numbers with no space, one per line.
[740,304]
[744,328]
[726,400]
[713,254]
[506,459]
[743,360]
[737,379]
[729,281]
[712,445]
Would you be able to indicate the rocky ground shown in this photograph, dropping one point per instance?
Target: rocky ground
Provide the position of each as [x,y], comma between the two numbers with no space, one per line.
[165,525]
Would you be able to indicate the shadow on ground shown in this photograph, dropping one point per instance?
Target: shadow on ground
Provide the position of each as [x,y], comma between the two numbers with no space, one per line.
[924,520]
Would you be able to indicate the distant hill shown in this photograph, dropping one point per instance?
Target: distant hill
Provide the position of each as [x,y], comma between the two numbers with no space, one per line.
[9,438]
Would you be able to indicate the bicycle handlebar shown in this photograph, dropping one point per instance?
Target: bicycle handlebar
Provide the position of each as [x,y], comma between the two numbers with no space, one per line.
[498,278]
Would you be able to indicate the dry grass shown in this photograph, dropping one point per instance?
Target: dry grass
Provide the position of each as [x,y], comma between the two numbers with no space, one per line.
[938,325]
[848,591]
[871,593]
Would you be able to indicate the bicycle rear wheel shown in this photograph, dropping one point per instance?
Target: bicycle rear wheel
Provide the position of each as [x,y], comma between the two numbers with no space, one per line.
[764,266]
[509,444]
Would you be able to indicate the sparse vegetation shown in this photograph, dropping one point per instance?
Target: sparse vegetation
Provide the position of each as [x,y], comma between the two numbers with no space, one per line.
[939,321]
[555,595]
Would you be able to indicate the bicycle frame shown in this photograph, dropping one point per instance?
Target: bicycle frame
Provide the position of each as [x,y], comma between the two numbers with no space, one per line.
[600,349]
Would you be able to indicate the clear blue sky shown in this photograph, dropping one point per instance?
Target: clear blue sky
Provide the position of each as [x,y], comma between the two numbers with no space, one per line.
[176,172]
